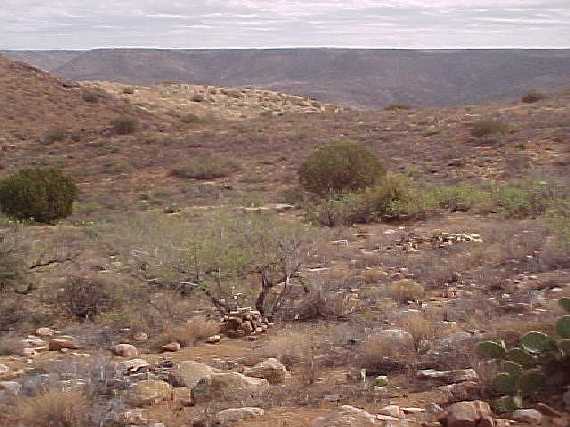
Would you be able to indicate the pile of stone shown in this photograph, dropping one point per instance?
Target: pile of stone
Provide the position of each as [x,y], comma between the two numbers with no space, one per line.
[244,322]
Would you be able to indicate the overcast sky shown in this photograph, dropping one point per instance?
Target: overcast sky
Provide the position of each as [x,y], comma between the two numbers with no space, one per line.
[83,24]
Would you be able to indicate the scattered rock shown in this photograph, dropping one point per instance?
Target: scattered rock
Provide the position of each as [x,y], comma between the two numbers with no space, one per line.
[45,332]
[189,374]
[132,417]
[231,416]
[392,411]
[214,339]
[125,350]
[11,388]
[530,416]
[29,352]
[449,377]
[467,414]
[172,347]
[271,369]
[58,344]
[460,392]
[229,386]
[149,392]
[140,337]
[346,416]
[133,366]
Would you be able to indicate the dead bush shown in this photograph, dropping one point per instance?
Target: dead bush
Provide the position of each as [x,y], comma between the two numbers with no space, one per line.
[422,328]
[405,290]
[53,409]
[125,125]
[86,297]
[10,346]
[206,167]
[379,354]
[533,96]
[488,128]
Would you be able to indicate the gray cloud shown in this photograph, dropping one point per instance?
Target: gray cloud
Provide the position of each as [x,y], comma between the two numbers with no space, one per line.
[82,24]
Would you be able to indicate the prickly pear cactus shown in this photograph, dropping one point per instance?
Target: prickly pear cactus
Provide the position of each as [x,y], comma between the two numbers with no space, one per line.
[512,368]
[563,326]
[507,404]
[518,355]
[537,342]
[565,304]
[492,349]
[505,383]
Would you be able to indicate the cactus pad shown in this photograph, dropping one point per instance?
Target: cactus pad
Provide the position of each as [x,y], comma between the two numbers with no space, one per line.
[538,342]
[565,304]
[563,326]
[513,368]
[505,383]
[507,404]
[531,381]
[491,349]
[518,355]
[564,346]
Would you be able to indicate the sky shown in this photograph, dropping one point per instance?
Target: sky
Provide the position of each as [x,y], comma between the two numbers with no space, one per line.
[422,24]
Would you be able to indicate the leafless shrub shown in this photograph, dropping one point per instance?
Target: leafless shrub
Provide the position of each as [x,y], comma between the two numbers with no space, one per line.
[188,334]
[405,290]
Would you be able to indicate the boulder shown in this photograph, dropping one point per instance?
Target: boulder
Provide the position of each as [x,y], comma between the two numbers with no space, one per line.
[231,416]
[45,332]
[189,374]
[172,347]
[140,337]
[28,352]
[529,416]
[132,366]
[460,392]
[346,416]
[214,339]
[57,344]
[271,369]
[468,414]
[392,411]
[132,417]
[4,369]
[125,350]
[229,386]
[149,392]
[448,377]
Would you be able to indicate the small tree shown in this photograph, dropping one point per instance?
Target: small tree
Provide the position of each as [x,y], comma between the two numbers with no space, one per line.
[340,167]
[43,195]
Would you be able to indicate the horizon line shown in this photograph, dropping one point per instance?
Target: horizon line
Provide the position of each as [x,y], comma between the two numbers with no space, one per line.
[284,48]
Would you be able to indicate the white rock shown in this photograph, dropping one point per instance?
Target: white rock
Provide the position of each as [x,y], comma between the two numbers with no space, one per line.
[230,416]
[392,411]
[125,350]
[45,332]
[346,416]
[530,416]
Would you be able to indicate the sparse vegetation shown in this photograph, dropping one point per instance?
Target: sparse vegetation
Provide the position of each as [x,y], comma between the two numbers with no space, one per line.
[54,135]
[340,167]
[125,125]
[90,96]
[206,167]
[53,408]
[488,128]
[86,297]
[44,195]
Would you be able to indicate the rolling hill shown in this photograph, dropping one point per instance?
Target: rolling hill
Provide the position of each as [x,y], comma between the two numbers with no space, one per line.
[357,77]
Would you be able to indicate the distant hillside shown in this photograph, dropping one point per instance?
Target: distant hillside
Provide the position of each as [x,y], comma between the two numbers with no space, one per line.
[34,103]
[365,78]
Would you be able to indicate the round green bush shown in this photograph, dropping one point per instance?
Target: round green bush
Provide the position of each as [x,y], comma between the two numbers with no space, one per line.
[43,195]
[340,167]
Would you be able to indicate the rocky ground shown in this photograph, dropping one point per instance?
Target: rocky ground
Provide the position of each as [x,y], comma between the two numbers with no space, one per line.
[379,323]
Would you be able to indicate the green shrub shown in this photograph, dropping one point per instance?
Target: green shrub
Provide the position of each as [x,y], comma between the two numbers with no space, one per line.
[125,125]
[206,167]
[558,220]
[462,198]
[54,135]
[394,198]
[486,128]
[43,195]
[533,96]
[525,198]
[129,91]
[340,167]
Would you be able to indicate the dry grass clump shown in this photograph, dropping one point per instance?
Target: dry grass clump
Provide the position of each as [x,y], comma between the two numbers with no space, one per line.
[206,167]
[10,346]
[54,135]
[54,409]
[406,290]
[194,330]
[422,328]
[291,347]
[382,354]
